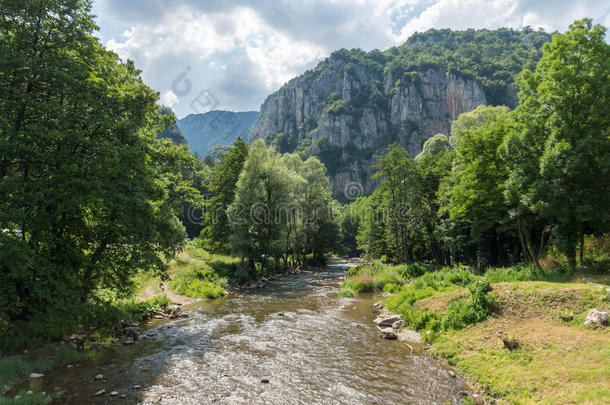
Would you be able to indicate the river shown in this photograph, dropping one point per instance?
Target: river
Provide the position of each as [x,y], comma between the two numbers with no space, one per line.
[311,345]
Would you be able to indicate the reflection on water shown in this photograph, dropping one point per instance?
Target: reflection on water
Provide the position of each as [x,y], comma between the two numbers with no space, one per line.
[296,333]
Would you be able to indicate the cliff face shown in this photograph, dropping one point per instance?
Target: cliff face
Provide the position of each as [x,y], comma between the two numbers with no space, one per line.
[354,104]
[347,114]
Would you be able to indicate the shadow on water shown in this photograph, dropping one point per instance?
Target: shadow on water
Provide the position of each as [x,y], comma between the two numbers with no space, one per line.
[293,342]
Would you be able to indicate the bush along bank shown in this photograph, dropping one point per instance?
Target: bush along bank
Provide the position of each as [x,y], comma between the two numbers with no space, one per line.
[519,336]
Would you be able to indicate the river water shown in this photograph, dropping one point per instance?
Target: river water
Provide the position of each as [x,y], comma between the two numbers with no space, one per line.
[296,333]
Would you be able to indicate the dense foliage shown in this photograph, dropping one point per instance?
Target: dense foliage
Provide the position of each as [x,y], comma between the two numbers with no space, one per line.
[170,129]
[282,212]
[88,195]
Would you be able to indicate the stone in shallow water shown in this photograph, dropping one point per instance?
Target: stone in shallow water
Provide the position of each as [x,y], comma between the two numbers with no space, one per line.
[36,375]
[387,320]
[398,324]
[410,336]
[100,392]
[388,333]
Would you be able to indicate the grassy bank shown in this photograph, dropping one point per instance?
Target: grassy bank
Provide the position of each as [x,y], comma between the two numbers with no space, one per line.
[465,316]
[194,273]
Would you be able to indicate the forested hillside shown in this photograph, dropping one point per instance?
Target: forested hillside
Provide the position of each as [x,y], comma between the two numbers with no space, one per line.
[355,103]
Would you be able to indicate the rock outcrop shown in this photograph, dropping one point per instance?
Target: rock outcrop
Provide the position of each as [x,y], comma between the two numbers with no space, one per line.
[354,104]
[346,114]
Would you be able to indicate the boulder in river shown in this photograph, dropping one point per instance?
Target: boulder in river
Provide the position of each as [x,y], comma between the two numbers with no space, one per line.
[128,341]
[597,318]
[175,312]
[378,305]
[399,324]
[388,333]
[410,336]
[387,320]
[36,376]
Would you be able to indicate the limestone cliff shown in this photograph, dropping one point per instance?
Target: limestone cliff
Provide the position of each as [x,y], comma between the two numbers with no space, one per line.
[348,138]
[354,104]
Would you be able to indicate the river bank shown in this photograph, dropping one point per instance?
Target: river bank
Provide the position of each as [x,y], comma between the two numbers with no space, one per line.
[293,341]
[519,341]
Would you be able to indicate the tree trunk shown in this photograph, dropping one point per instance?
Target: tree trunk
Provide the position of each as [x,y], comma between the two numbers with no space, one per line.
[582,248]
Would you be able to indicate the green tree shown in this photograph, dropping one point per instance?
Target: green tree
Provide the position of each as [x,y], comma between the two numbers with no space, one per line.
[371,236]
[318,228]
[88,196]
[434,164]
[474,192]
[403,203]
[565,175]
[222,186]
[258,215]
[170,129]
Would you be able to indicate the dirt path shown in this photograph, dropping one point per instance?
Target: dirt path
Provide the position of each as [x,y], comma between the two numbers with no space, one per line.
[153,290]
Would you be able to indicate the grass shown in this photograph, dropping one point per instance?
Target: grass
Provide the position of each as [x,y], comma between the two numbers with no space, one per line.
[379,277]
[199,281]
[560,360]
[27,399]
[196,273]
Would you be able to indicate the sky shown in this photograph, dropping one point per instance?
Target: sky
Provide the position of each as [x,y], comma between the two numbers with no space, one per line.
[202,55]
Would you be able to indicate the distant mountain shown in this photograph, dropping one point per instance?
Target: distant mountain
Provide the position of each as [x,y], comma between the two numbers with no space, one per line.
[204,131]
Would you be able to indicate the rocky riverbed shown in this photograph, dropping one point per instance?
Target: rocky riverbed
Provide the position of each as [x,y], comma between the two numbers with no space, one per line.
[292,341]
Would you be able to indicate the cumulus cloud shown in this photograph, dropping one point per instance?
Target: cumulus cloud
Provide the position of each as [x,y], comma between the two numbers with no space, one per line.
[239,51]
[169,98]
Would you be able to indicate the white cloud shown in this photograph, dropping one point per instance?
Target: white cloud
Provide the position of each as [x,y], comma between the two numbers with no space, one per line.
[169,98]
[240,50]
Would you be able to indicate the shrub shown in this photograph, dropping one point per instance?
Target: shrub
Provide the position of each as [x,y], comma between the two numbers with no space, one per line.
[519,272]
[459,313]
[476,308]
[199,281]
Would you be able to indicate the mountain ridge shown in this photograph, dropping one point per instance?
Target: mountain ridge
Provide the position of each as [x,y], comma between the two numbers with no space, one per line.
[217,127]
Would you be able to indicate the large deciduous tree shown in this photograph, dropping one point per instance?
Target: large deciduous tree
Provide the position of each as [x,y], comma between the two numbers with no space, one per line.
[223,181]
[88,196]
[563,170]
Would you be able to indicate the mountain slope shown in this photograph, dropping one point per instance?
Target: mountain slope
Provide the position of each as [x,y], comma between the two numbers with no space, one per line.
[203,131]
[355,103]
